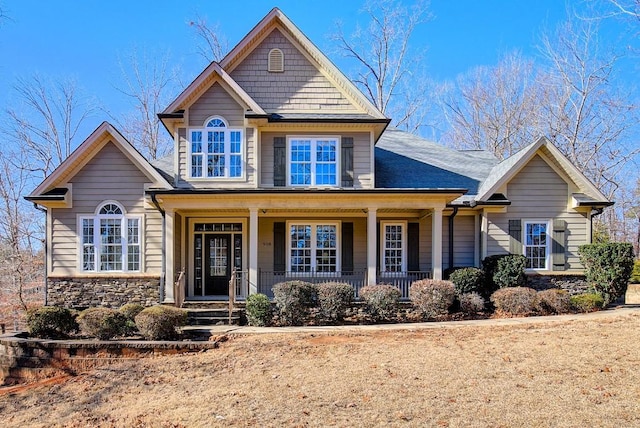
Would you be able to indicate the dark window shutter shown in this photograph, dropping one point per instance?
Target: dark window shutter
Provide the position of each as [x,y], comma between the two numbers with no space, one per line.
[347,247]
[515,236]
[279,161]
[347,161]
[558,245]
[413,247]
[279,247]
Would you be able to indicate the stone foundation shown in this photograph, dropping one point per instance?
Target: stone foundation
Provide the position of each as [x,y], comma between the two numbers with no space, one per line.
[107,292]
[573,283]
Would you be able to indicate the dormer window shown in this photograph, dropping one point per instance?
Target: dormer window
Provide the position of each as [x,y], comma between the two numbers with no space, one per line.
[276,61]
[216,150]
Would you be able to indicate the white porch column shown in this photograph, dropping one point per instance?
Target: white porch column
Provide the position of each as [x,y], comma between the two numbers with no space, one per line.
[253,250]
[436,242]
[372,239]
[169,278]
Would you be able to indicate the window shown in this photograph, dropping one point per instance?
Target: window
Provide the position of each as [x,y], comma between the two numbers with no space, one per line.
[313,247]
[536,244]
[313,161]
[216,150]
[110,240]
[393,255]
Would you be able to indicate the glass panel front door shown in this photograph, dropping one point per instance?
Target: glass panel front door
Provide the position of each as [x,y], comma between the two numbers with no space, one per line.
[217,264]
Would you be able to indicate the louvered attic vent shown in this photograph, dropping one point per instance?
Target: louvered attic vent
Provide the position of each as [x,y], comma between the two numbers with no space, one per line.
[276,61]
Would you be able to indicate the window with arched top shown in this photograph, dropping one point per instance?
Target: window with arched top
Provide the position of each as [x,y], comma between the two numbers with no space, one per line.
[216,150]
[276,61]
[110,240]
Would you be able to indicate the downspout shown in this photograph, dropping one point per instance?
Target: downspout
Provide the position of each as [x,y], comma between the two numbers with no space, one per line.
[594,213]
[46,254]
[453,214]
[163,262]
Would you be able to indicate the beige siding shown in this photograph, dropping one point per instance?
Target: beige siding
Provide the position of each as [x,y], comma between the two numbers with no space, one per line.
[301,87]
[361,157]
[463,244]
[108,176]
[216,101]
[177,245]
[537,193]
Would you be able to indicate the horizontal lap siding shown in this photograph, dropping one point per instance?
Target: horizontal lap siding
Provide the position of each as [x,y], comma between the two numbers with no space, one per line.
[301,87]
[463,245]
[108,176]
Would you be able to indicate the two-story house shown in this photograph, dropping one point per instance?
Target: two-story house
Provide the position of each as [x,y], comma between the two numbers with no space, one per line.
[282,169]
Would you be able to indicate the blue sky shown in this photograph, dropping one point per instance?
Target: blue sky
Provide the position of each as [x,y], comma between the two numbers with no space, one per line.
[83,39]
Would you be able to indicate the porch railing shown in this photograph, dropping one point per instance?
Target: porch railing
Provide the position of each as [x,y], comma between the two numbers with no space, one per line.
[401,280]
[241,279]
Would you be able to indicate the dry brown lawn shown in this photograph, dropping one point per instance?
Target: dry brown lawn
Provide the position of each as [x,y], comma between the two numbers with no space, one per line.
[581,373]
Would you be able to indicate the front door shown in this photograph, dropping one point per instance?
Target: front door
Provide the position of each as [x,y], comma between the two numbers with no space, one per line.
[217,259]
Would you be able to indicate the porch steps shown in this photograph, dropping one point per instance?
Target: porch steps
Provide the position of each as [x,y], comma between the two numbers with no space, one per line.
[213,316]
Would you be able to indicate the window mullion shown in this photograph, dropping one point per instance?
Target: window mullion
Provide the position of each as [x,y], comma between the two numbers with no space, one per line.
[97,244]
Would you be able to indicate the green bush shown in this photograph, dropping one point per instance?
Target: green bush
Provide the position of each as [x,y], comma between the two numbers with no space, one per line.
[259,310]
[102,323]
[334,298]
[381,301]
[635,275]
[467,280]
[432,297]
[587,302]
[51,322]
[515,300]
[293,300]
[489,266]
[608,268]
[130,311]
[160,322]
[554,301]
[471,303]
[509,271]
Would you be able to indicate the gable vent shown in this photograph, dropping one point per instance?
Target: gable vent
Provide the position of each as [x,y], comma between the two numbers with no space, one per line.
[276,61]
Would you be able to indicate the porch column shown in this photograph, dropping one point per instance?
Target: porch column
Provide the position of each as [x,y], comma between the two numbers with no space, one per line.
[372,240]
[253,250]
[167,249]
[436,242]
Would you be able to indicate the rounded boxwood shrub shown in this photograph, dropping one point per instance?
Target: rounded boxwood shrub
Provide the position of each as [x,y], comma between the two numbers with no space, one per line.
[102,323]
[160,322]
[334,298]
[381,301]
[515,300]
[51,322]
[509,271]
[259,310]
[467,280]
[130,311]
[635,274]
[587,302]
[608,268]
[293,300]
[489,266]
[471,303]
[554,301]
[432,297]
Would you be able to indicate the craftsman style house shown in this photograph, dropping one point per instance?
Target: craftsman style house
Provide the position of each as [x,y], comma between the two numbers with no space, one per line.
[281,169]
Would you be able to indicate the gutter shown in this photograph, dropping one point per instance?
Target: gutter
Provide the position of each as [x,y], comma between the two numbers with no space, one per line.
[453,214]
[163,263]
[46,254]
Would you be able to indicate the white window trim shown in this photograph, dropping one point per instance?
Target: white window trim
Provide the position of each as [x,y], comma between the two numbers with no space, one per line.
[96,217]
[548,255]
[314,139]
[227,153]
[383,240]
[313,224]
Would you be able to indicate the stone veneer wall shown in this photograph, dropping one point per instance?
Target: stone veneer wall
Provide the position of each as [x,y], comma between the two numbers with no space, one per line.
[574,284]
[107,292]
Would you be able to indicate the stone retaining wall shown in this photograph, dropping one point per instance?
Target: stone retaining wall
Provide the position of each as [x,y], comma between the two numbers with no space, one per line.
[108,292]
[574,284]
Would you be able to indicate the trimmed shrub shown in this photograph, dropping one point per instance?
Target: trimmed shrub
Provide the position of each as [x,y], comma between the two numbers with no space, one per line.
[334,298]
[587,302]
[489,266]
[160,322]
[608,268]
[509,271]
[554,301]
[432,297]
[635,274]
[293,300]
[130,311]
[467,280]
[381,301]
[50,322]
[102,323]
[471,303]
[259,310]
[515,300]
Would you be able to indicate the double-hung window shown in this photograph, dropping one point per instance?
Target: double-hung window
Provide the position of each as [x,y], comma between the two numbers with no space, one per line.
[110,240]
[313,247]
[536,244]
[313,161]
[216,150]
[393,247]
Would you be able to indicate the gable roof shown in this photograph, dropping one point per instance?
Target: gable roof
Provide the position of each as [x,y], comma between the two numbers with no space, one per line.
[86,151]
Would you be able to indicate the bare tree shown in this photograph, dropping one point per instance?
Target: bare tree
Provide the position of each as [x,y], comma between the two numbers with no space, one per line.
[387,69]
[211,43]
[626,8]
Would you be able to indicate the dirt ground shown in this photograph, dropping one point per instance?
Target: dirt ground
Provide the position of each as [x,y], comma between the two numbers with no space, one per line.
[558,374]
